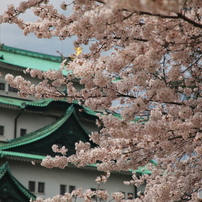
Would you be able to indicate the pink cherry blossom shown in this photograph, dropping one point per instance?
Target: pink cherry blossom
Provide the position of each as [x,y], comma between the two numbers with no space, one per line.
[142,72]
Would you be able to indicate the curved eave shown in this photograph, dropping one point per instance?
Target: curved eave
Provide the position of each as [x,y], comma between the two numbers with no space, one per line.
[6,106]
[28,194]
[8,102]
[6,169]
[90,112]
[11,102]
[39,134]
[19,155]
[10,66]
[40,103]
[23,103]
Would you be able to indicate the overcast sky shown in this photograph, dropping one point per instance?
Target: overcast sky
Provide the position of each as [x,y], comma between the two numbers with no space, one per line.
[11,35]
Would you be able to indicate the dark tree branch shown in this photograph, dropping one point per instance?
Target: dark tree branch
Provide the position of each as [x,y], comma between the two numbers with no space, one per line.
[136,39]
[189,20]
[178,16]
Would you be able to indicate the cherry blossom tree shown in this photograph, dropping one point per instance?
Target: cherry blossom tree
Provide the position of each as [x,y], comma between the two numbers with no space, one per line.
[145,55]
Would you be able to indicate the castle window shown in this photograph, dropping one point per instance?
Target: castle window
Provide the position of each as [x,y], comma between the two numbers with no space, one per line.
[31,186]
[23,131]
[2,86]
[63,189]
[71,188]
[41,187]
[1,130]
[11,89]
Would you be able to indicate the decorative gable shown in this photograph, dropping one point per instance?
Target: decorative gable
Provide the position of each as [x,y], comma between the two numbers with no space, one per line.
[11,189]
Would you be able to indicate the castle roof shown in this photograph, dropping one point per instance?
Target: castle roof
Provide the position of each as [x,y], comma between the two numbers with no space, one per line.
[11,188]
[43,104]
[65,131]
[28,59]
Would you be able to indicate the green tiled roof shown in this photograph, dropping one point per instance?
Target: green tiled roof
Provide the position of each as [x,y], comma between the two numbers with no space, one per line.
[90,111]
[23,103]
[38,103]
[11,101]
[67,130]
[22,155]
[29,59]
[30,53]
[10,179]
[38,134]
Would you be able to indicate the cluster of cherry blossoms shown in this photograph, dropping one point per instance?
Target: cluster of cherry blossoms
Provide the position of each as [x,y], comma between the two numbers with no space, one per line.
[86,196]
[164,6]
[146,56]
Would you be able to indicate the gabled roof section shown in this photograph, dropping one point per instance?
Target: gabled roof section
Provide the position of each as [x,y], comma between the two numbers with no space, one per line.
[38,134]
[66,131]
[42,103]
[29,59]
[10,187]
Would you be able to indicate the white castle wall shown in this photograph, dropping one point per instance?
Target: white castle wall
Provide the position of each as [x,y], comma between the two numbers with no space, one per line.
[80,178]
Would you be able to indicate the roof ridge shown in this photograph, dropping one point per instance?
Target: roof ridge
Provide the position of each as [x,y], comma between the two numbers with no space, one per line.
[85,130]
[30,53]
[22,188]
[3,169]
